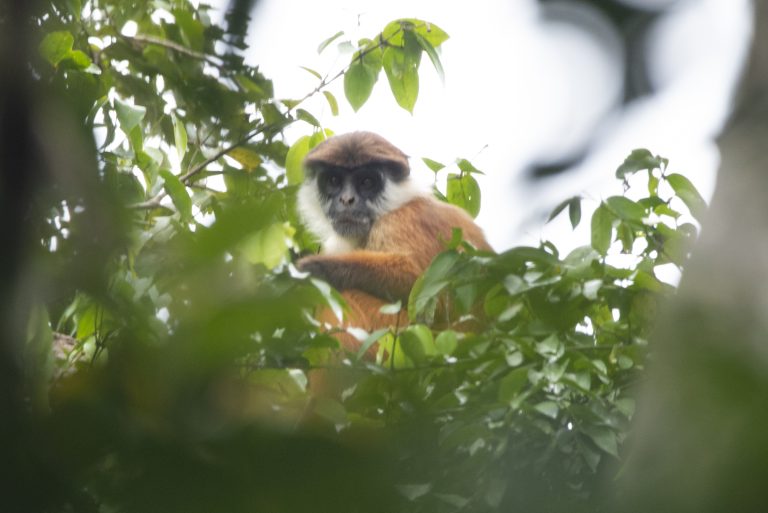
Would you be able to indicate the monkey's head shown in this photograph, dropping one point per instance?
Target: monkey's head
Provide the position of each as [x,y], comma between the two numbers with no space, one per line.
[351,180]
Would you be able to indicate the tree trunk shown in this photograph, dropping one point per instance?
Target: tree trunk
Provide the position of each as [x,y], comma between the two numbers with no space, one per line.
[702,433]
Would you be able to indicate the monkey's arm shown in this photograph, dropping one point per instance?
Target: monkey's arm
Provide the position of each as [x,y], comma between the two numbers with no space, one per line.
[389,276]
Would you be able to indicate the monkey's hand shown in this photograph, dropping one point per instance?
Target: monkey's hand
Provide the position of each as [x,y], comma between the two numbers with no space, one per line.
[315,265]
[387,276]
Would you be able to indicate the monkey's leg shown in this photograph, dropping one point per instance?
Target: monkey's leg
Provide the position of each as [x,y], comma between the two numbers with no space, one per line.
[364,312]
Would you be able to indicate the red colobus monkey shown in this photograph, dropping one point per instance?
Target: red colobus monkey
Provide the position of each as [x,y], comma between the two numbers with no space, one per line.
[378,231]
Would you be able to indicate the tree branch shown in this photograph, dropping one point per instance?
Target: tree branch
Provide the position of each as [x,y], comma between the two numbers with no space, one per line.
[176,47]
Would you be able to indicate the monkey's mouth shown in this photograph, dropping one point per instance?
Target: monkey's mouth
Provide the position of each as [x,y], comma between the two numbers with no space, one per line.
[350,225]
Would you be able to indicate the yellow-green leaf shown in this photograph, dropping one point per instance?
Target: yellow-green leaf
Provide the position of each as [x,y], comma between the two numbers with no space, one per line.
[178,193]
[129,115]
[246,157]
[332,103]
[180,136]
[56,46]
[294,160]
[268,246]
[602,229]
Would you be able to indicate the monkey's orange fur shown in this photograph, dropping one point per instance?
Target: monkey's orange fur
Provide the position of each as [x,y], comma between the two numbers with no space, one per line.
[400,245]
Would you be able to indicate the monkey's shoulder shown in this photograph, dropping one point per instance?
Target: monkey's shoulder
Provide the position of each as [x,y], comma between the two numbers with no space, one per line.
[424,224]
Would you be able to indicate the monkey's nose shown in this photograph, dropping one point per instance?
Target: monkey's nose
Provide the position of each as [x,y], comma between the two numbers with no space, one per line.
[347,200]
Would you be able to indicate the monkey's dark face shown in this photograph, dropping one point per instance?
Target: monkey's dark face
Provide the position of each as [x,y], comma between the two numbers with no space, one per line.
[349,197]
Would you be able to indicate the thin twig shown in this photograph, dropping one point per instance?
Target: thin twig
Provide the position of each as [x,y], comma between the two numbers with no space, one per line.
[186,177]
[176,47]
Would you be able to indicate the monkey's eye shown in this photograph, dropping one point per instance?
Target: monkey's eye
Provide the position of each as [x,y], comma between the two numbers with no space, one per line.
[368,183]
[332,181]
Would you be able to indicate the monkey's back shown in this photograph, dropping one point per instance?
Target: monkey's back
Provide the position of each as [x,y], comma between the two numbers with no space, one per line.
[420,229]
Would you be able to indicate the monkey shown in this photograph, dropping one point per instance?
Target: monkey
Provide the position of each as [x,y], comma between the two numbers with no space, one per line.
[377,229]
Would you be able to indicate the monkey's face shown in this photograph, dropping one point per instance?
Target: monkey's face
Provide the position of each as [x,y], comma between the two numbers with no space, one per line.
[349,198]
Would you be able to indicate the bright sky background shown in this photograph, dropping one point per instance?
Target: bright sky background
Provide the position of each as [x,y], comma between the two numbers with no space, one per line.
[520,89]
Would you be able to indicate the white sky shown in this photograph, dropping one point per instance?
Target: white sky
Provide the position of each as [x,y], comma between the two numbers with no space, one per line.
[517,90]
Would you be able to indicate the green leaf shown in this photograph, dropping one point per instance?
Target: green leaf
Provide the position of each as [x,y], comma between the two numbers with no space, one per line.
[467,167]
[665,210]
[511,384]
[178,193]
[402,74]
[330,409]
[604,438]
[686,191]
[550,346]
[362,74]
[574,212]
[653,186]
[294,160]
[446,342]
[548,409]
[432,54]
[431,283]
[626,406]
[626,235]
[56,46]
[309,118]
[514,284]
[332,103]
[269,245]
[129,115]
[464,191]
[179,136]
[647,281]
[417,342]
[626,209]
[394,32]
[358,84]
[75,8]
[328,41]
[639,160]
[192,31]
[583,380]
[246,157]
[433,34]
[312,72]
[369,341]
[434,165]
[602,228]
[80,59]
[319,137]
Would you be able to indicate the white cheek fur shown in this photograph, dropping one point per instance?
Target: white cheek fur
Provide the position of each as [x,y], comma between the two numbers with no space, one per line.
[314,216]
[316,220]
[395,195]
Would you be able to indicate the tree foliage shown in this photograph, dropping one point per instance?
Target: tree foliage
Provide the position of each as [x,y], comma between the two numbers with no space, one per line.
[174,375]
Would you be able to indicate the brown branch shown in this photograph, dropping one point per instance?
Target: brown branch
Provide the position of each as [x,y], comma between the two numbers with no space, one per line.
[176,47]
